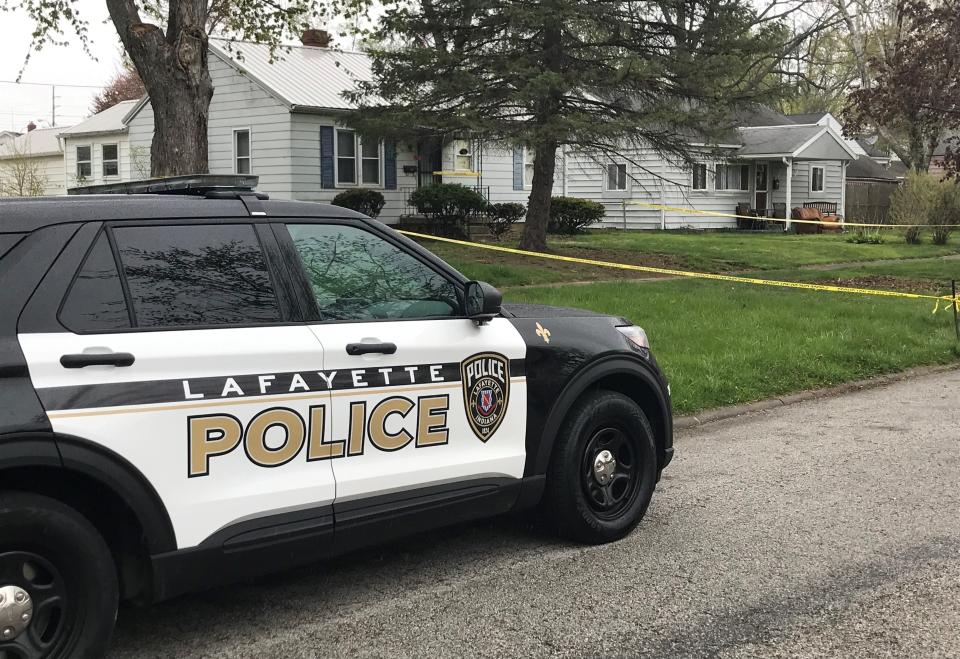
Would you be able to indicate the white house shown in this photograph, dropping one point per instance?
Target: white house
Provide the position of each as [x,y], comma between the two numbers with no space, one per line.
[282,120]
[37,154]
[97,149]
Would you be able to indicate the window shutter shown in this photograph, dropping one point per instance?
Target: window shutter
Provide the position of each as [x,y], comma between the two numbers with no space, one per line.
[390,164]
[326,158]
[518,168]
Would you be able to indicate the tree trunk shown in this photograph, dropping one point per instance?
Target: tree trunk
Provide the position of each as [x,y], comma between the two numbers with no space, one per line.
[174,70]
[541,191]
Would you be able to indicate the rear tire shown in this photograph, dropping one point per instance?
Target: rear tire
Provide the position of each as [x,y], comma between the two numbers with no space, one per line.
[58,558]
[603,469]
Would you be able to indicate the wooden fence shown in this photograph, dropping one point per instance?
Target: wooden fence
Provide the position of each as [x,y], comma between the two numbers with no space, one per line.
[869,201]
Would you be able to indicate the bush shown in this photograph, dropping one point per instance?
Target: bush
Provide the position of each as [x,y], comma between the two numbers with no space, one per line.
[864,236]
[914,202]
[503,216]
[570,215]
[449,205]
[945,211]
[363,200]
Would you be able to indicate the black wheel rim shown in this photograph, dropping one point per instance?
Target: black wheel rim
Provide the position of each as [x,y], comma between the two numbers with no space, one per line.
[611,499]
[48,591]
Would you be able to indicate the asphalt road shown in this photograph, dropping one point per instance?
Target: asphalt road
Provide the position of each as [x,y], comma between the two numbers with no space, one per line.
[827,528]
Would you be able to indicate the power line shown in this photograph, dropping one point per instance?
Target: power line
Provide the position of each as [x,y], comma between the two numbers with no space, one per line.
[52,84]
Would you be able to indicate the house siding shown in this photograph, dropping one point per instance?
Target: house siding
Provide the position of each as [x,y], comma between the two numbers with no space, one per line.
[651,180]
[49,167]
[306,174]
[238,103]
[96,142]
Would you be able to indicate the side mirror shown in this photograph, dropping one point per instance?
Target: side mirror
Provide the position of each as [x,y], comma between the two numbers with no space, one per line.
[482,301]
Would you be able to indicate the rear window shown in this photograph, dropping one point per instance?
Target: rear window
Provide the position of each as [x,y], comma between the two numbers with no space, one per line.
[95,301]
[196,275]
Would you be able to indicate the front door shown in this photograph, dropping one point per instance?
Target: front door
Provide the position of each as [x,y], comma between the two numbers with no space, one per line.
[761,188]
[422,396]
[181,363]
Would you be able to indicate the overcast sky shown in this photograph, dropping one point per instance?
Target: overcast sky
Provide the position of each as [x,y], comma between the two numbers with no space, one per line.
[60,65]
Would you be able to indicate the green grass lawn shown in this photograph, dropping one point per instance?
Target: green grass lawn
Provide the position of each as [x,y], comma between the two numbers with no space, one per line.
[722,344]
[740,251]
[700,251]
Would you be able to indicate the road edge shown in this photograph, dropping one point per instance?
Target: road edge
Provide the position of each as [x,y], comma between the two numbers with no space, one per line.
[732,411]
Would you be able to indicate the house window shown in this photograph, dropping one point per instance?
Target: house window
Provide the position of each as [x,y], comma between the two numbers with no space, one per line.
[529,155]
[241,150]
[462,156]
[358,160]
[370,162]
[616,176]
[84,163]
[732,177]
[346,157]
[111,160]
[816,178]
[699,176]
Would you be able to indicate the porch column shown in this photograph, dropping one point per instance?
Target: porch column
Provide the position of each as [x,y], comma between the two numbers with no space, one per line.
[789,164]
[843,193]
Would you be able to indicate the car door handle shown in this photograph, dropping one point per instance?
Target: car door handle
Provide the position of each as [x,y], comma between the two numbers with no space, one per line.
[97,359]
[368,348]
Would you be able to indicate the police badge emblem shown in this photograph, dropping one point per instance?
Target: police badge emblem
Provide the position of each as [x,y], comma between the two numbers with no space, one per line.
[486,392]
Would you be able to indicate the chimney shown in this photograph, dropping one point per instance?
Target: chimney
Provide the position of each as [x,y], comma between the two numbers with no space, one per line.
[31,126]
[314,37]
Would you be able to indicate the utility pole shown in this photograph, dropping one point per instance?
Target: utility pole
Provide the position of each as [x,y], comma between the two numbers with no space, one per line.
[53,105]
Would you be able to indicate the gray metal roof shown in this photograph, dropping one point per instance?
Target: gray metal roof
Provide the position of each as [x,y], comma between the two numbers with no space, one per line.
[107,121]
[300,76]
[38,142]
[776,140]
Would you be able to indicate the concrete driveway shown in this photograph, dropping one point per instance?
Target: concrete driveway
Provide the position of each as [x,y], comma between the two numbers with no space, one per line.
[827,528]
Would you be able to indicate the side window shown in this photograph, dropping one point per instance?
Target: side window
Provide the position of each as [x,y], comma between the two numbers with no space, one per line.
[356,275]
[205,274]
[95,300]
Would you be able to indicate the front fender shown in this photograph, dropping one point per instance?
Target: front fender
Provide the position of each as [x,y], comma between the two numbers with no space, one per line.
[621,368]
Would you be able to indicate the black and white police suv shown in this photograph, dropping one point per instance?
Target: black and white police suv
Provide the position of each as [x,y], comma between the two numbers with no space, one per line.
[205,386]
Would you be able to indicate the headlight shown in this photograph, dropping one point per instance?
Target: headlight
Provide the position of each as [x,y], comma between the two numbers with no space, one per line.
[635,335]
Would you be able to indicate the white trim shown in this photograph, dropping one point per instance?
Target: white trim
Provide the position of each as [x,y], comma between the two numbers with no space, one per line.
[826,129]
[77,161]
[357,161]
[103,161]
[529,156]
[706,177]
[822,192]
[233,148]
[606,177]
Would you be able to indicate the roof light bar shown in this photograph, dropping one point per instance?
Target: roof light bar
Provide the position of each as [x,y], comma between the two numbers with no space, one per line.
[196,184]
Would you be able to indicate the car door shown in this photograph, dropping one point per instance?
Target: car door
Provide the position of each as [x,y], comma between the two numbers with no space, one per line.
[422,397]
[174,351]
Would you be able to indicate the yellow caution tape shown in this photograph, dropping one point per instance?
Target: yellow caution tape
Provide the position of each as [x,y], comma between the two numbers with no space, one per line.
[835,225]
[949,300]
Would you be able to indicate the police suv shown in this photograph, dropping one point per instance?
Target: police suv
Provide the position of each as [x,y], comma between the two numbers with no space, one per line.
[201,385]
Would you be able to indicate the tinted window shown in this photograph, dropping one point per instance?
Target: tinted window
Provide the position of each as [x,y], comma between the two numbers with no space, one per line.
[95,301]
[211,274]
[356,275]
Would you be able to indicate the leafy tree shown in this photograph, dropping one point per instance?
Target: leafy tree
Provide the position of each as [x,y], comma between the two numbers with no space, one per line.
[910,89]
[597,74]
[170,56]
[126,85]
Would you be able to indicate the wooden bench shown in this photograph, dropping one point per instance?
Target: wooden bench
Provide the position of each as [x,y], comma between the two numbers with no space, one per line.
[825,207]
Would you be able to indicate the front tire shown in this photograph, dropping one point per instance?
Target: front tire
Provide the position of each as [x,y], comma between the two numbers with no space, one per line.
[603,470]
[53,560]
